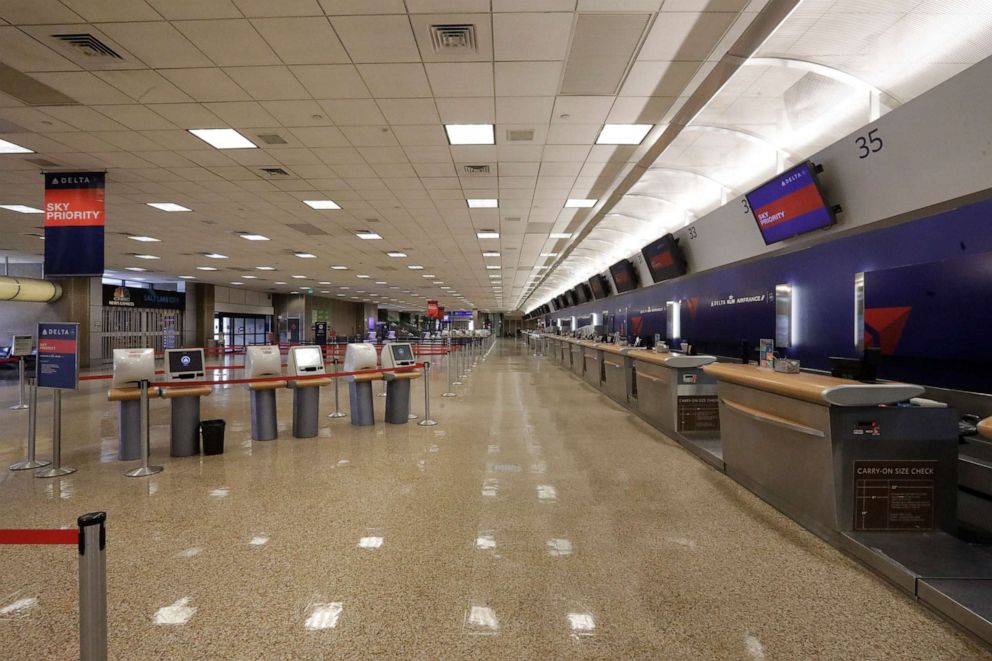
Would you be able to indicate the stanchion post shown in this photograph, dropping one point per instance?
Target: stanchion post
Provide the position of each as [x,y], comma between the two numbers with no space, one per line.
[92,587]
[31,461]
[56,469]
[144,469]
[20,405]
[428,421]
[456,357]
[337,413]
[451,391]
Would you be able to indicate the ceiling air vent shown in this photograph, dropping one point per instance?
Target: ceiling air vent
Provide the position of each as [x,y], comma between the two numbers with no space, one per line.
[275,172]
[272,139]
[43,162]
[88,45]
[454,37]
[520,135]
[476,169]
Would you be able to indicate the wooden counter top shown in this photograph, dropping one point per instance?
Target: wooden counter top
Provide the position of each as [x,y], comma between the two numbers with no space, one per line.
[669,359]
[985,428]
[816,388]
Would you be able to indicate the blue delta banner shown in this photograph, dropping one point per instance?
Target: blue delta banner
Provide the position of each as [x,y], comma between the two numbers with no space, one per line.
[74,222]
[58,355]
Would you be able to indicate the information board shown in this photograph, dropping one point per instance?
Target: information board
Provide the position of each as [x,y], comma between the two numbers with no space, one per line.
[58,355]
[698,413]
[320,333]
[22,345]
[894,494]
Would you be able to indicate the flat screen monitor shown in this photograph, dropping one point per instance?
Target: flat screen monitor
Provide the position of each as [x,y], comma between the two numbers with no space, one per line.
[184,363]
[570,298]
[599,286]
[624,276]
[790,204]
[582,293]
[664,258]
[306,360]
[402,353]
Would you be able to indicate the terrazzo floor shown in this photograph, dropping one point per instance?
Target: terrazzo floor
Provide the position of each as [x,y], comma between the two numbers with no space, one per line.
[537,520]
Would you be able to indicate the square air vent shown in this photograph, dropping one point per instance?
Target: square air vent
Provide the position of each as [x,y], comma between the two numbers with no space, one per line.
[476,169]
[272,138]
[453,37]
[520,135]
[88,45]
[275,172]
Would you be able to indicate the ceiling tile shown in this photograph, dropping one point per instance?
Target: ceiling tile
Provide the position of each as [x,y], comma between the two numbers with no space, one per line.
[344,7]
[377,38]
[137,118]
[265,8]
[420,135]
[640,109]
[530,36]
[524,109]
[530,5]
[575,153]
[461,79]
[82,118]
[353,112]
[331,81]
[581,109]
[303,40]
[474,110]
[409,111]
[229,43]
[188,115]
[320,136]
[83,86]
[144,86]
[267,83]
[685,35]
[527,78]
[395,80]
[446,6]
[369,136]
[206,84]
[573,134]
[658,78]
[239,114]
[33,12]
[176,10]
[297,113]
[24,53]
[428,154]
[158,44]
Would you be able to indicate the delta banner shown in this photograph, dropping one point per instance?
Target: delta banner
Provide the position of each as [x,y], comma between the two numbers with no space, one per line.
[58,355]
[74,222]
[788,205]
[433,310]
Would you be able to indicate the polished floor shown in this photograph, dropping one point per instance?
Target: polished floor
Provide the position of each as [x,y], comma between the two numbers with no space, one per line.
[537,520]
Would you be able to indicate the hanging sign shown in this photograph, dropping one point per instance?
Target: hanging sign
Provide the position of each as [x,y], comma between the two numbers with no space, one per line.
[58,355]
[74,221]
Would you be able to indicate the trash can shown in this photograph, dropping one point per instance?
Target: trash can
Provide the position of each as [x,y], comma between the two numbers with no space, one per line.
[213,436]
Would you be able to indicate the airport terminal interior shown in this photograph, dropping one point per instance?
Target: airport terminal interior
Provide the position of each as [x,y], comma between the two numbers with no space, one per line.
[451,329]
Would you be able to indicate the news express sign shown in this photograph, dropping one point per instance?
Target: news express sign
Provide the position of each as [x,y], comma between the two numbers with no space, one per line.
[58,355]
[74,222]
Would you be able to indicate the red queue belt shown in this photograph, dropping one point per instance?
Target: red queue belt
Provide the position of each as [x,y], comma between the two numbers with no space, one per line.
[269,379]
[29,536]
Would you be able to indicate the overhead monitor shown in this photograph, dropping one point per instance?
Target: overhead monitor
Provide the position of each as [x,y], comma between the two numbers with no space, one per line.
[262,361]
[624,276]
[599,286]
[664,258]
[184,363]
[790,204]
[132,366]
[306,360]
[570,297]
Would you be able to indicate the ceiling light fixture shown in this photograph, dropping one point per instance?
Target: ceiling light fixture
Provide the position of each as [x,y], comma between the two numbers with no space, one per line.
[470,134]
[367,235]
[223,138]
[187,277]
[206,268]
[482,203]
[321,204]
[560,235]
[11,148]
[145,239]
[339,268]
[415,267]
[491,253]
[363,277]
[253,237]
[147,256]
[134,268]
[265,268]
[579,203]
[214,255]
[394,253]
[305,255]
[487,234]
[300,277]
[20,208]
[623,134]
[167,206]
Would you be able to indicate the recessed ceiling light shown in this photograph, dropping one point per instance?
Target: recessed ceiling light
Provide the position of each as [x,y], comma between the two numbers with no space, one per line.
[20,208]
[305,255]
[254,237]
[487,234]
[491,253]
[265,268]
[321,204]
[491,267]
[134,268]
[623,134]
[223,138]
[145,239]
[428,275]
[323,282]
[11,148]
[363,277]
[415,267]
[340,268]
[215,255]
[280,283]
[187,277]
[367,235]
[560,235]
[249,277]
[380,282]
[206,268]
[342,294]
[237,283]
[300,277]
[147,256]
[344,287]
[470,134]
[482,203]
[579,203]
[167,206]
[549,254]
[394,253]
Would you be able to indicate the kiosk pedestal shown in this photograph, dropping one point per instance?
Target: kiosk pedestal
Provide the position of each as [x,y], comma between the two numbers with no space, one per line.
[264,420]
[128,422]
[185,434]
[306,406]
[360,399]
[398,397]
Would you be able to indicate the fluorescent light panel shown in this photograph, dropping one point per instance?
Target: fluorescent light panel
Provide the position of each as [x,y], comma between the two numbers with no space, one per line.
[560,235]
[577,203]
[253,237]
[487,234]
[470,134]
[11,148]
[305,255]
[367,235]
[20,208]
[482,203]
[223,138]
[167,206]
[321,204]
[394,253]
[623,134]
[145,239]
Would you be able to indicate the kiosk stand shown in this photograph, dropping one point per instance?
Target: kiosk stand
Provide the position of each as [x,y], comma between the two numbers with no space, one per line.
[131,367]
[259,362]
[398,355]
[185,434]
[306,361]
[359,357]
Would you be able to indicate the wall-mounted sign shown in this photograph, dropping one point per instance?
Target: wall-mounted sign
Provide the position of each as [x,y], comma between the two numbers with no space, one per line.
[58,355]
[74,220]
[138,297]
[894,494]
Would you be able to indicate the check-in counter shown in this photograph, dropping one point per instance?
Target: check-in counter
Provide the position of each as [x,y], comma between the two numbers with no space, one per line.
[674,393]
[593,370]
[839,455]
[617,373]
[578,357]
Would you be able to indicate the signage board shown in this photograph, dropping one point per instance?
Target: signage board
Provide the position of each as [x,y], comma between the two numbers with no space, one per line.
[894,494]
[320,333]
[58,355]
[139,297]
[698,413]
[22,345]
[74,223]
[789,204]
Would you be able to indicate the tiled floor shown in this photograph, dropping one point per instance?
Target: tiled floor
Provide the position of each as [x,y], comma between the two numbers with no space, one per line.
[536,521]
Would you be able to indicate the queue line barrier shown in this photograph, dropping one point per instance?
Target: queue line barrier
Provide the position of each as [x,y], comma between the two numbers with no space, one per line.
[90,540]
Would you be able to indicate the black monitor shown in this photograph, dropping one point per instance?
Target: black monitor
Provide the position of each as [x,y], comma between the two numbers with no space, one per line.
[599,286]
[184,363]
[664,258]
[624,276]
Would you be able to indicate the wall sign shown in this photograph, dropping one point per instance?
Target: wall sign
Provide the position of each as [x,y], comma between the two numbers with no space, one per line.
[58,355]
[894,494]
[320,332]
[139,297]
[74,221]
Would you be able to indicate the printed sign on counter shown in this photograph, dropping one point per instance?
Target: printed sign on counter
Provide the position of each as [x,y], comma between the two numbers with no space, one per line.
[894,494]
[698,413]
[58,355]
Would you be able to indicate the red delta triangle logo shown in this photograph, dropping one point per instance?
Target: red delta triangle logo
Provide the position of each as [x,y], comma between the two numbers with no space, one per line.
[693,304]
[636,324]
[884,327]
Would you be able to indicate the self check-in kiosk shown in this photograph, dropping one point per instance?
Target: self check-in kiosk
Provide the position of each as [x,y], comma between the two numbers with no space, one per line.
[185,364]
[131,367]
[397,355]
[262,362]
[358,357]
[306,361]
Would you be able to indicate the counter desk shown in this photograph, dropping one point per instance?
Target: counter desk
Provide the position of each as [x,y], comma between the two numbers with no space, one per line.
[839,455]
[578,361]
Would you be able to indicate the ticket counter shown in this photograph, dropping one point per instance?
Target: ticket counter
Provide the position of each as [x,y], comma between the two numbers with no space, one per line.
[839,455]
[593,367]
[577,352]
[674,393]
[617,373]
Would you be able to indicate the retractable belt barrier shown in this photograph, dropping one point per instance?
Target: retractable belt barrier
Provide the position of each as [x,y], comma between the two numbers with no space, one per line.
[230,382]
[90,540]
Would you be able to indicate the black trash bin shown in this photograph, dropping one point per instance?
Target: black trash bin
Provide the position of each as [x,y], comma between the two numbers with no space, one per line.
[213,436]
